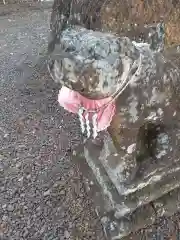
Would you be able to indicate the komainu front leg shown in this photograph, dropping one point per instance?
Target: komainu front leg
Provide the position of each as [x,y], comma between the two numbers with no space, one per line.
[124,140]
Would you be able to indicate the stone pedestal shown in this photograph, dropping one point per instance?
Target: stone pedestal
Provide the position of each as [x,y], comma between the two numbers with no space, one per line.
[127,206]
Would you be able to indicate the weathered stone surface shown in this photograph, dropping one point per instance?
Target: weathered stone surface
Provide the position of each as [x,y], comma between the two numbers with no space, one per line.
[168,204]
[121,213]
[138,163]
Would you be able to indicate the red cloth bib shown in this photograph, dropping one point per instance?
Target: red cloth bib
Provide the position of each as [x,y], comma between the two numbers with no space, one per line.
[72,101]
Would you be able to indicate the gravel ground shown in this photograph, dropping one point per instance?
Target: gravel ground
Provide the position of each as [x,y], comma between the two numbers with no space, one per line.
[42,192]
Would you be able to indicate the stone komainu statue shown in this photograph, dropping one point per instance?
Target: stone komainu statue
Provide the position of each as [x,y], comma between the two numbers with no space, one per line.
[93,58]
[96,50]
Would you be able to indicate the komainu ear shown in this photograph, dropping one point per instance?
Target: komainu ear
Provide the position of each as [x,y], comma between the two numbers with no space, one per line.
[156,36]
